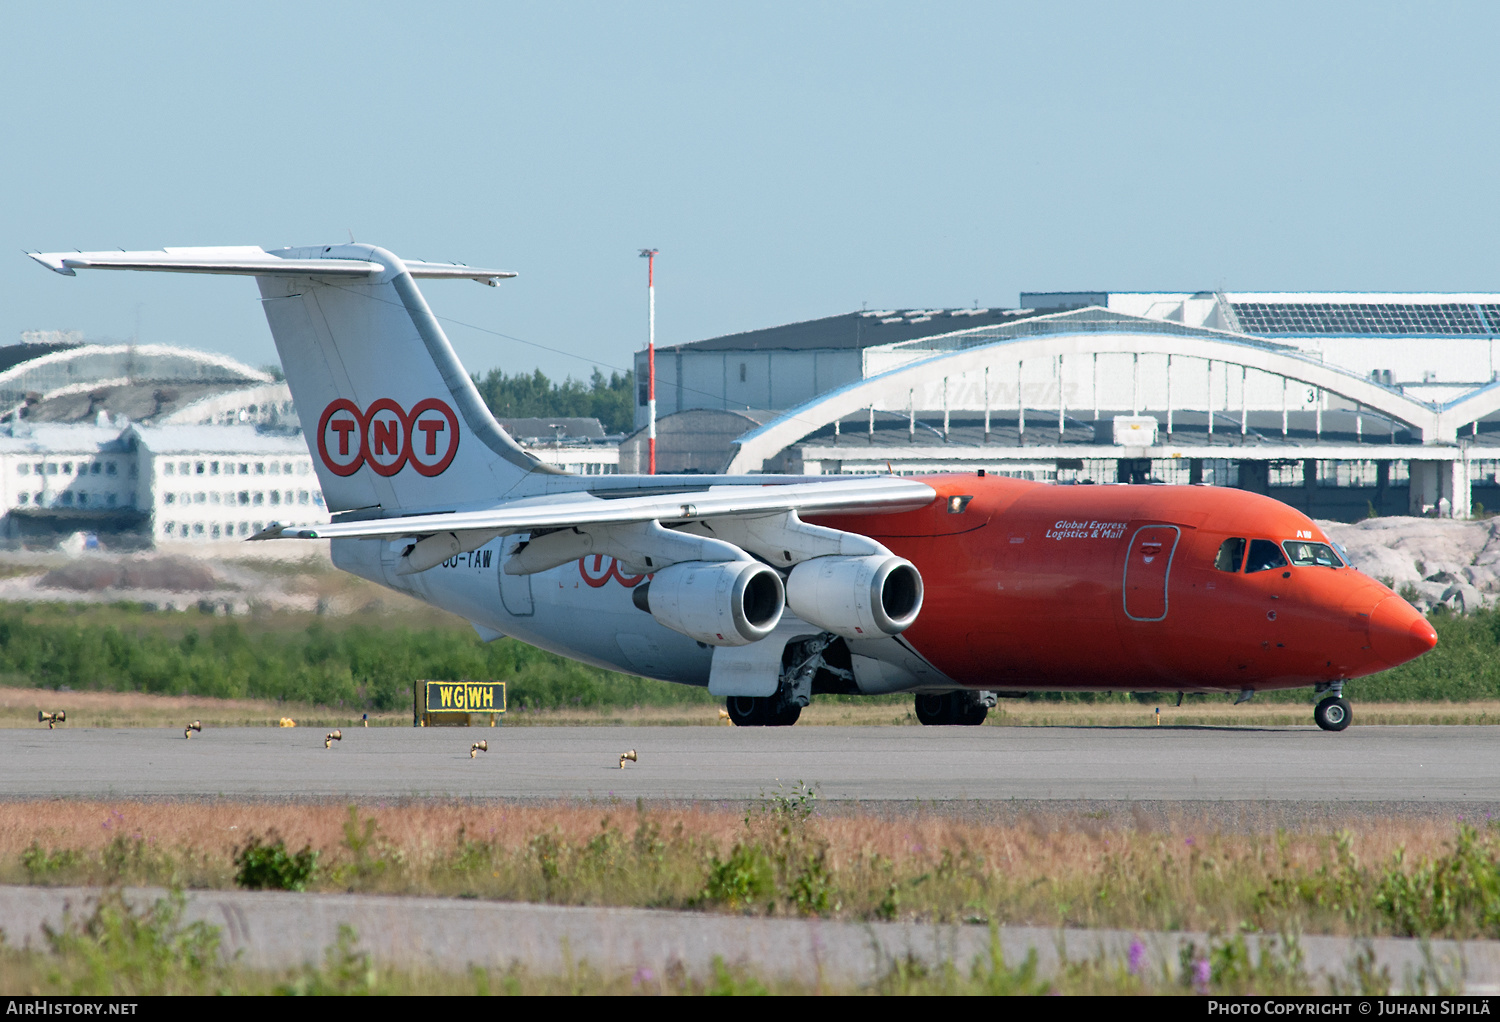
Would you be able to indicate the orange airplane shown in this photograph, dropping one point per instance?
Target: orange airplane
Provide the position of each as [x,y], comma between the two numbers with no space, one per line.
[769,590]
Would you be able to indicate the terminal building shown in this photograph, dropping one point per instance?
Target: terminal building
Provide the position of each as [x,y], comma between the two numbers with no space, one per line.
[1342,405]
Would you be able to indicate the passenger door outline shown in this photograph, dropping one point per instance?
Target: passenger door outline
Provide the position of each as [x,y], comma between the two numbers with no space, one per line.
[1146,571]
[515,590]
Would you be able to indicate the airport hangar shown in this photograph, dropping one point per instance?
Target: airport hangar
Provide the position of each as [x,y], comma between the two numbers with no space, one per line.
[1341,405]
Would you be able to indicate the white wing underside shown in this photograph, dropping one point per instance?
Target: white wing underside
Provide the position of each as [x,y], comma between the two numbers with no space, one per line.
[875,494]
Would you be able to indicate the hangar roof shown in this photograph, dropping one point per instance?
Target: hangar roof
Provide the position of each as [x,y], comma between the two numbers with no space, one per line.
[855,331]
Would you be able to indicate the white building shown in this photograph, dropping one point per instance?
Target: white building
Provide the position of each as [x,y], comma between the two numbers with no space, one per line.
[223,482]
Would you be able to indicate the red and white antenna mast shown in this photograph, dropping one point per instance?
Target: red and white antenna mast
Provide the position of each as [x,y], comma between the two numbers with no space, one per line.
[649,254]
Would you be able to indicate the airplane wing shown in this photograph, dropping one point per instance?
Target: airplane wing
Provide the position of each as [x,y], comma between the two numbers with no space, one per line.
[249,260]
[866,494]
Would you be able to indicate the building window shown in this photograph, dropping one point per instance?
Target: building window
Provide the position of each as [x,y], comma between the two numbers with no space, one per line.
[198,468]
[287,468]
[742,372]
[23,470]
[167,469]
[83,498]
[244,528]
[109,468]
[67,468]
[93,468]
[36,499]
[215,532]
[200,498]
[318,498]
[260,498]
[302,496]
[110,500]
[214,498]
[260,468]
[258,526]
[276,468]
[197,528]
[170,498]
[275,497]
[66,498]
[23,498]
[302,468]
[244,469]
[213,468]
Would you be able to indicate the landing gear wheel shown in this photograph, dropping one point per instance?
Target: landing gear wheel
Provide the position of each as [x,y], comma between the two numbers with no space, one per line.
[754,711]
[1332,714]
[748,711]
[973,714]
[935,709]
[785,717]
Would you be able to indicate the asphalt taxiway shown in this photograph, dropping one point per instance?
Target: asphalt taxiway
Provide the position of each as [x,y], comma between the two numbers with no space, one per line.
[1416,765]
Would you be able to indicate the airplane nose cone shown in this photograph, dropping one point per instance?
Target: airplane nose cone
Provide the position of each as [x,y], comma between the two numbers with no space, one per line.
[1398,633]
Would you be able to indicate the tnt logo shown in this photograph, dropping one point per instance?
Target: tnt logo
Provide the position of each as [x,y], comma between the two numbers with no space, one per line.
[387,438]
[597,573]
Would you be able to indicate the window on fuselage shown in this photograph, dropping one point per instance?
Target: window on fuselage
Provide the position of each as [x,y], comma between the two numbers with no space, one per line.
[1264,555]
[1305,555]
[1231,555]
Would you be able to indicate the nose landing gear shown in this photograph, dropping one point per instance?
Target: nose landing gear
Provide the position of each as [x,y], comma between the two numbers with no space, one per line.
[1332,713]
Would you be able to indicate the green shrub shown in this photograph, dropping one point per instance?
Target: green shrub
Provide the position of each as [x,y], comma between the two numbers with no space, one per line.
[266,866]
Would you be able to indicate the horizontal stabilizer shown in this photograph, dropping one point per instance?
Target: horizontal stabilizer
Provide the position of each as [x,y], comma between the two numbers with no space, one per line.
[252,261]
[866,494]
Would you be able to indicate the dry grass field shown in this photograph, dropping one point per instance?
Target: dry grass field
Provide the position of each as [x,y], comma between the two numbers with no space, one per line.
[1363,876]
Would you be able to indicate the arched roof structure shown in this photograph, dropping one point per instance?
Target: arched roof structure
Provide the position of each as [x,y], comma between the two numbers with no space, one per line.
[1096,331]
[55,371]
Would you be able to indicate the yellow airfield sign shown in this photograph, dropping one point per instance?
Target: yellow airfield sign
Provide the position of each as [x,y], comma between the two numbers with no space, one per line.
[465,696]
[456,702]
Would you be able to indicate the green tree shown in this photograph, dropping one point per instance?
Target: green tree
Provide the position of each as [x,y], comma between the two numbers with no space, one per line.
[528,395]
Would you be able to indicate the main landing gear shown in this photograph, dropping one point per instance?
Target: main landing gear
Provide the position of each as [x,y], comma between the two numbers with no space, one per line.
[1332,713]
[965,708]
[758,711]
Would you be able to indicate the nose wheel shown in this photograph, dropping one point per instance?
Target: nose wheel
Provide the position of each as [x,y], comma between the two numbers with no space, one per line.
[1332,714]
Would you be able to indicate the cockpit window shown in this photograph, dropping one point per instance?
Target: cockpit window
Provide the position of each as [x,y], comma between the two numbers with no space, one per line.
[1264,555]
[1305,554]
[1231,555]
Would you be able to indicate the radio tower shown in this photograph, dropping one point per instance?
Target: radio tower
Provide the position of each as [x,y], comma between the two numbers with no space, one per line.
[649,254]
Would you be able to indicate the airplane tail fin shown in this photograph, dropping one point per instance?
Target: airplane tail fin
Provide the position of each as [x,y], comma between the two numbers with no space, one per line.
[391,418]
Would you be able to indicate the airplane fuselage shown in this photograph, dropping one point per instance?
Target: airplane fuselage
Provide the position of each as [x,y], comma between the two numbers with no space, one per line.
[1028,587]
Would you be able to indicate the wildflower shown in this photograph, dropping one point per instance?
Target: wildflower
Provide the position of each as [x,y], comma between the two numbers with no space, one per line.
[642,975]
[1137,957]
[1201,975]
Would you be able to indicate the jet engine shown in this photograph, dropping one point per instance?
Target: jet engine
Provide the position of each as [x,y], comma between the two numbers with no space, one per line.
[856,597]
[726,603]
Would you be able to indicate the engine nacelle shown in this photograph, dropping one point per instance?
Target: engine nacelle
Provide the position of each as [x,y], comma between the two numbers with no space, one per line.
[856,597]
[726,603]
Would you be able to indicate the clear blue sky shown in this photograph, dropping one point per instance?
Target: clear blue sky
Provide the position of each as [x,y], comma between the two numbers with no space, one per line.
[789,160]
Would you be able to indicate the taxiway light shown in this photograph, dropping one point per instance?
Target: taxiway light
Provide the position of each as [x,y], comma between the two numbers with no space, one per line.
[288,722]
[477,747]
[51,719]
[366,720]
[627,755]
[331,737]
[1158,716]
[196,725]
